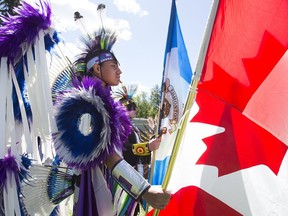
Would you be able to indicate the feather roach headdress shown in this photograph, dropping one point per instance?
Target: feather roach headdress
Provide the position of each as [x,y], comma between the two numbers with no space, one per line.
[125,95]
[97,50]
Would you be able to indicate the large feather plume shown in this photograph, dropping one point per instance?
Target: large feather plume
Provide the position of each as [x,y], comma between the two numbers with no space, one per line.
[44,188]
[110,126]
[103,39]
[23,28]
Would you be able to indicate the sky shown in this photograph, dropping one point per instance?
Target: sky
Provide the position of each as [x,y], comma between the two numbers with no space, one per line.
[142,27]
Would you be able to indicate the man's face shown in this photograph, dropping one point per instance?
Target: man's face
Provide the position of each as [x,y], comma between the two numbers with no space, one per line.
[110,72]
[132,113]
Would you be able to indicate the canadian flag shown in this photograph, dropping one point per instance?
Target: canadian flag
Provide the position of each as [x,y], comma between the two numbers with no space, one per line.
[233,157]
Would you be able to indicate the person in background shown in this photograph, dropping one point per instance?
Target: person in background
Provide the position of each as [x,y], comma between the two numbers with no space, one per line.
[138,148]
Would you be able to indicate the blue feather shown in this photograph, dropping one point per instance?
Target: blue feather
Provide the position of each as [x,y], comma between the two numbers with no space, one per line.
[60,185]
[50,42]
[67,120]
[19,70]
[62,82]
[26,162]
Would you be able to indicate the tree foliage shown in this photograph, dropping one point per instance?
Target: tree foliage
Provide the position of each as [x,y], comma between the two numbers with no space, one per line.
[148,105]
[143,105]
[154,100]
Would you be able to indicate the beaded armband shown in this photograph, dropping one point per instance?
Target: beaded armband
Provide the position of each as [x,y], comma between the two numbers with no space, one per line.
[141,149]
[129,179]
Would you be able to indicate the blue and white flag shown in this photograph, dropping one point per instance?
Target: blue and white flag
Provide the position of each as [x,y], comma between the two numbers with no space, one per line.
[177,76]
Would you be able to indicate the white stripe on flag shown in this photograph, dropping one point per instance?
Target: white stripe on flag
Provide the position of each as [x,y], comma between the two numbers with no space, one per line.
[176,79]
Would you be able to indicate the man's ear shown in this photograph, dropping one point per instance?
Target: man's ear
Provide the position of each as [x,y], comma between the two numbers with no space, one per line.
[97,70]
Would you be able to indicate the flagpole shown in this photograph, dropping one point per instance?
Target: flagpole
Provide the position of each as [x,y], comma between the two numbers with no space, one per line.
[191,95]
[154,152]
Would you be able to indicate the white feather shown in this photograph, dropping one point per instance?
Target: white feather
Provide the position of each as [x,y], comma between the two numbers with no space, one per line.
[3,90]
[34,192]
[10,195]
[28,141]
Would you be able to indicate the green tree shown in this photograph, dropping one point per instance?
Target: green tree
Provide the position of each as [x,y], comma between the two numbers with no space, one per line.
[6,7]
[143,105]
[148,104]
[154,100]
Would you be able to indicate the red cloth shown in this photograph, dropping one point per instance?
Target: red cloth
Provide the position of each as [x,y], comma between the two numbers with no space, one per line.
[194,201]
[243,90]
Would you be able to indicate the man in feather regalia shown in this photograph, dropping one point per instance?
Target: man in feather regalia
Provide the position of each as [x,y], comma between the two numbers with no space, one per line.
[79,121]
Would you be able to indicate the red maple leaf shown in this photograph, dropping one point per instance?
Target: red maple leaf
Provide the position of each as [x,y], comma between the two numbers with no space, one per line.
[243,144]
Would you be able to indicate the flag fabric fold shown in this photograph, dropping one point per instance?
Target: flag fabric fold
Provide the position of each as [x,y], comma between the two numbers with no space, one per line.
[176,79]
[233,157]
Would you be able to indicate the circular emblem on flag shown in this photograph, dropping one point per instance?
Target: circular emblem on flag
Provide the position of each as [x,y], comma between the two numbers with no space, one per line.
[170,108]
